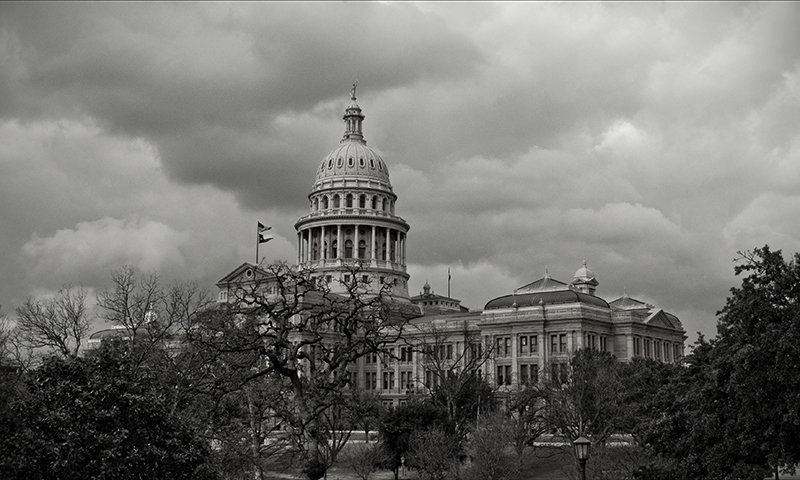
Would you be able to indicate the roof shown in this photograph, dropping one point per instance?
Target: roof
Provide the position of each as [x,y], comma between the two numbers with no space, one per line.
[545,283]
[246,272]
[353,157]
[545,298]
[627,303]
[112,332]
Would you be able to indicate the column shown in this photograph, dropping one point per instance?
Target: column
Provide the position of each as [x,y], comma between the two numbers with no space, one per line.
[323,250]
[372,246]
[355,242]
[299,248]
[339,245]
[629,346]
[514,366]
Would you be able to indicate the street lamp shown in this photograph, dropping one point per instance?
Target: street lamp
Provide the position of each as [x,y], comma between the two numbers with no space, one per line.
[581,446]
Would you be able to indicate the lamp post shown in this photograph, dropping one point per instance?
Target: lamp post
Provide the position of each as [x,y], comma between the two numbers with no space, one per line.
[581,445]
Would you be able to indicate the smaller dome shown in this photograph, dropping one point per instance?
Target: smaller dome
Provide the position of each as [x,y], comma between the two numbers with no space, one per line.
[584,273]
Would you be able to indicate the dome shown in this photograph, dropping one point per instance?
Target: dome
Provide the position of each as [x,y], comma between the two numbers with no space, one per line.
[584,273]
[353,158]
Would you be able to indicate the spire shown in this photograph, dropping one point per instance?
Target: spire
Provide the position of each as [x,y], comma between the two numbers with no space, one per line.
[352,119]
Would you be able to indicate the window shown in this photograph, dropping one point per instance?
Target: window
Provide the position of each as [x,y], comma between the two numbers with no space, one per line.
[406,354]
[503,375]
[528,344]
[364,278]
[562,345]
[348,248]
[374,201]
[370,380]
[637,347]
[362,249]
[388,380]
[503,347]
[362,201]
[405,380]
[449,351]
[603,344]
[648,352]
[336,201]
[325,203]
[347,279]
[349,201]
[553,343]
[475,350]
[528,374]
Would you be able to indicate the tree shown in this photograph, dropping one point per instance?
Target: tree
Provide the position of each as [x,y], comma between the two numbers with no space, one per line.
[57,324]
[364,459]
[456,384]
[527,421]
[398,427]
[488,445]
[434,453]
[735,410]
[102,420]
[756,355]
[307,336]
[589,402]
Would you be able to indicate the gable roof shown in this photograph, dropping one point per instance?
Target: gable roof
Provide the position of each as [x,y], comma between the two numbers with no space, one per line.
[240,274]
[544,284]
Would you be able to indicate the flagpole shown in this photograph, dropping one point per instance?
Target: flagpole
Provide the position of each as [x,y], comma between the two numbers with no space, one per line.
[258,241]
[448,282]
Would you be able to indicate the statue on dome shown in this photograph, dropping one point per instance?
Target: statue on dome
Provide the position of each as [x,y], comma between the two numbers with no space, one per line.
[353,91]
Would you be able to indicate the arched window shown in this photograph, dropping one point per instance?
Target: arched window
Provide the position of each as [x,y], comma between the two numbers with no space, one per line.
[316,204]
[362,201]
[348,249]
[334,244]
[391,208]
[336,201]
[374,202]
[383,251]
[324,203]
[349,201]
[315,251]
[383,206]
[362,249]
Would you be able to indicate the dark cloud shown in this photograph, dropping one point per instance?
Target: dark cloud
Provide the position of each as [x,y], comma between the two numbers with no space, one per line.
[653,139]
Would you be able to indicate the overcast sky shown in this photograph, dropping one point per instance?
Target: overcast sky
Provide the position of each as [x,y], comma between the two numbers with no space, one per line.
[655,140]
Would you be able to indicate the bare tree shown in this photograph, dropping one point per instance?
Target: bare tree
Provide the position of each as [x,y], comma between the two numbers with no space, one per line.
[292,326]
[154,316]
[528,419]
[58,323]
[364,459]
[454,377]
[589,402]
[488,447]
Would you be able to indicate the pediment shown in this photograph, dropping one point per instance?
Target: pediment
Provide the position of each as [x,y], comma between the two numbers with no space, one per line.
[659,318]
[244,273]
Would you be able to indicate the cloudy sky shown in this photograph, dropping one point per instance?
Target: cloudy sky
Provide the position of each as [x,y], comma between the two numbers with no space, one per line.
[655,140]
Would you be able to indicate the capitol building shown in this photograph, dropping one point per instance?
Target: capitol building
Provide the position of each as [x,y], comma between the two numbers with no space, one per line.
[529,334]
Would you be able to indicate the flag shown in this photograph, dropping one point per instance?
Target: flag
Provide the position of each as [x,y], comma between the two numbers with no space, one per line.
[448,275]
[261,237]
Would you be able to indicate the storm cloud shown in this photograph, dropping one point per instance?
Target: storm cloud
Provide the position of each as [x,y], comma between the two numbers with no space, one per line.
[655,140]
